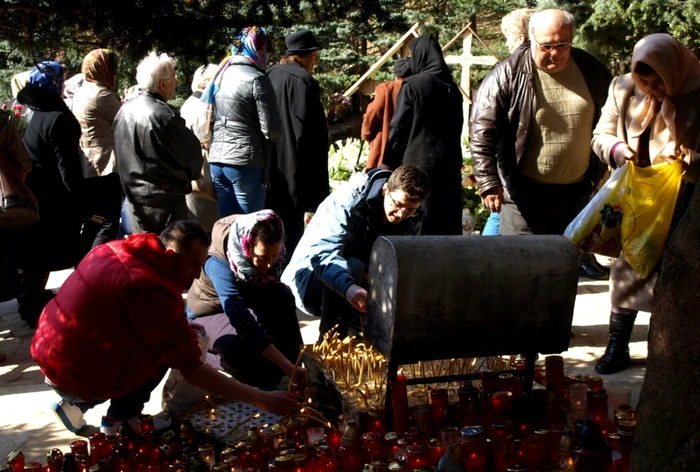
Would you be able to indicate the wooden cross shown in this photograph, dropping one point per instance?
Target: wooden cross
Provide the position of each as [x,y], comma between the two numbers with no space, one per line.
[466,60]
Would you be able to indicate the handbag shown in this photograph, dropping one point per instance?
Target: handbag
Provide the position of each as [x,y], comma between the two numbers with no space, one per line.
[18,205]
[203,187]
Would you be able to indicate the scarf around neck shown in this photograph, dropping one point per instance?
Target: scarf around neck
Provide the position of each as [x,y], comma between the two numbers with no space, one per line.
[240,249]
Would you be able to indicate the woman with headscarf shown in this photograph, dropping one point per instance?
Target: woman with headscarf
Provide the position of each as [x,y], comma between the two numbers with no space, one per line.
[426,131]
[95,104]
[241,303]
[650,117]
[245,123]
[52,141]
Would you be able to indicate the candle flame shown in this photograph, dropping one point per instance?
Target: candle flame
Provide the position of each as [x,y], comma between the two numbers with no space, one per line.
[257,415]
[302,410]
[310,401]
[226,374]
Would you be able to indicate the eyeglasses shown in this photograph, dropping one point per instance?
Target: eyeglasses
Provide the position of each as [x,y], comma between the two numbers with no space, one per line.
[400,208]
[563,46]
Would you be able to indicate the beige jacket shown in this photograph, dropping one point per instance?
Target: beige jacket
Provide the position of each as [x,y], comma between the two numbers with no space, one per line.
[95,107]
[623,99]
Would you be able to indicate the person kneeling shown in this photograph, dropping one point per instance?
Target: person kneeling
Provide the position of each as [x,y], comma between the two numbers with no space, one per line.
[241,304]
[327,270]
[117,324]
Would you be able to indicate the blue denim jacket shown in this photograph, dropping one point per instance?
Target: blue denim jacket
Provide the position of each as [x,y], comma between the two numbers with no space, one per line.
[340,220]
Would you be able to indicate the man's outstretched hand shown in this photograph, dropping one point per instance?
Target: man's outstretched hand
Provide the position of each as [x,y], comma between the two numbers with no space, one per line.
[278,402]
[357,296]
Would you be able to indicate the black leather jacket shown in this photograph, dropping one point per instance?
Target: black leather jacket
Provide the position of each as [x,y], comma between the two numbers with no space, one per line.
[158,156]
[504,110]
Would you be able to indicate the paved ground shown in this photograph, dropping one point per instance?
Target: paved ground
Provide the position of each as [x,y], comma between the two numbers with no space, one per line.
[27,423]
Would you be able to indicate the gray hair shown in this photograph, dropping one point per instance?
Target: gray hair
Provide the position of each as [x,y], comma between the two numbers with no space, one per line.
[516,21]
[560,17]
[202,76]
[152,69]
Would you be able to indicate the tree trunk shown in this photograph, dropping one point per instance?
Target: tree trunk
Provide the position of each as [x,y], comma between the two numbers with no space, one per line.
[668,431]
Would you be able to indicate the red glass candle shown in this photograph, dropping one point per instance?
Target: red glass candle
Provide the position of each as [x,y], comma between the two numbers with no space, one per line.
[325,460]
[333,437]
[376,423]
[626,429]
[505,382]
[489,383]
[145,426]
[399,402]
[473,445]
[449,436]
[554,366]
[389,446]
[501,437]
[351,457]
[435,452]
[477,415]
[439,402]
[533,448]
[79,446]
[32,467]
[99,448]
[416,457]
[468,395]
[54,460]
[372,443]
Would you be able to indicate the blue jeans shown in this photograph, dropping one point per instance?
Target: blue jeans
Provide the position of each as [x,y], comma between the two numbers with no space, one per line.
[491,228]
[239,190]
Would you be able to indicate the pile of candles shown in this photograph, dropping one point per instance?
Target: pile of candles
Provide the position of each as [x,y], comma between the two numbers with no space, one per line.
[360,373]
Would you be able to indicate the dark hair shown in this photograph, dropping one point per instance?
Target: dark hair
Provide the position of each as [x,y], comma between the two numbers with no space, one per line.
[643,68]
[179,235]
[269,231]
[412,180]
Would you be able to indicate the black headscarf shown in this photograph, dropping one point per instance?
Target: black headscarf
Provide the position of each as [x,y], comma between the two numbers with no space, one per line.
[426,58]
[402,68]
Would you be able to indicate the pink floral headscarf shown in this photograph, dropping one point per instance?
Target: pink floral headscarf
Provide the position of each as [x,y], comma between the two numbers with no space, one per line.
[240,249]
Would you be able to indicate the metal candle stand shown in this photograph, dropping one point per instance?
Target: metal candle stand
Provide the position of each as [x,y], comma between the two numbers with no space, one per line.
[445,297]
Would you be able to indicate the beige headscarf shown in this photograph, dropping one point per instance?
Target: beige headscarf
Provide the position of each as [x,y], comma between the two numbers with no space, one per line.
[680,71]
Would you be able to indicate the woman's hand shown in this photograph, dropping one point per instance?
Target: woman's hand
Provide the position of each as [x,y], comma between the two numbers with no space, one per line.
[685,153]
[622,154]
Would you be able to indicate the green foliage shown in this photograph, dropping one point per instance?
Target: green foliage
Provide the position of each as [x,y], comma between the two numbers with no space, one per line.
[346,156]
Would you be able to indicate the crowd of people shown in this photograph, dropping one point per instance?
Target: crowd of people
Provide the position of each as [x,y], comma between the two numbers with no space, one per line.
[214,197]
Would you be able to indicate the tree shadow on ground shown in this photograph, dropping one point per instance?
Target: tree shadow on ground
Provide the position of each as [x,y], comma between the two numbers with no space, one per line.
[597,335]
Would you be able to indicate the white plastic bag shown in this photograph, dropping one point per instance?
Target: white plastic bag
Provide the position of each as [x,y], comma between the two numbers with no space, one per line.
[597,229]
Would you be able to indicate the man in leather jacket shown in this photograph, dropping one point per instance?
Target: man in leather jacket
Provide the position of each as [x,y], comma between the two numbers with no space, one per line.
[158,156]
[531,129]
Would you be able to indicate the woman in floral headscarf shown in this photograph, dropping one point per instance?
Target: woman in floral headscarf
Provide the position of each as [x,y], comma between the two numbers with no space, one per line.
[651,116]
[95,104]
[245,123]
[52,143]
[239,300]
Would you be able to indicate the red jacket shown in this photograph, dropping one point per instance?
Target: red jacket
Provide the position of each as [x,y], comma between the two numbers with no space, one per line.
[115,320]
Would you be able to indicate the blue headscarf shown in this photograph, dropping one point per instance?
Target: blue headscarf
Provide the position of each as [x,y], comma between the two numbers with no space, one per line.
[246,43]
[48,75]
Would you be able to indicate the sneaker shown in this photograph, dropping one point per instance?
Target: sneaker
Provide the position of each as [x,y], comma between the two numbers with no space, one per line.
[70,415]
[112,428]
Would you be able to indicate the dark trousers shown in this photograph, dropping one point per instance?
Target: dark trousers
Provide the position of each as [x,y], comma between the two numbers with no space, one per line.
[542,208]
[123,408]
[335,309]
[273,305]
[34,295]
[103,202]
[131,404]
[154,218]
[9,278]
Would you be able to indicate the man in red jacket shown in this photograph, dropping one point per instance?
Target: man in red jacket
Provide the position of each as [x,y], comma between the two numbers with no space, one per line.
[118,323]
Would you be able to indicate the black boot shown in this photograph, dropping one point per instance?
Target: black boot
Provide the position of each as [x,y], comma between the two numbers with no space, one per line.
[591,269]
[617,354]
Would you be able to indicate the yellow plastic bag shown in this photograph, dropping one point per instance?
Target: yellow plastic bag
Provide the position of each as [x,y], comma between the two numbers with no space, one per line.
[597,228]
[648,206]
